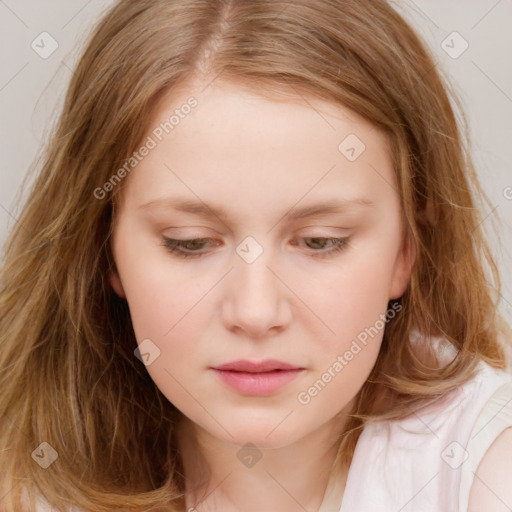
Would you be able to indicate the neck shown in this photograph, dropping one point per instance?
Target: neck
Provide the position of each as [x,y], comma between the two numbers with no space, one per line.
[289,479]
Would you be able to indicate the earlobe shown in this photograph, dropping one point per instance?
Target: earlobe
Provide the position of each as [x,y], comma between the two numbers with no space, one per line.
[117,285]
[403,267]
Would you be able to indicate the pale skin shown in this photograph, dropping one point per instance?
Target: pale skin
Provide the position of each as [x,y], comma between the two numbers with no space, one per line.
[299,301]
[491,489]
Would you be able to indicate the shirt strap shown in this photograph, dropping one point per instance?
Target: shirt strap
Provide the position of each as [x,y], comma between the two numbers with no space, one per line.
[493,419]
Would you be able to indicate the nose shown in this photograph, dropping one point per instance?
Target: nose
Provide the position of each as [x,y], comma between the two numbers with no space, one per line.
[256,302]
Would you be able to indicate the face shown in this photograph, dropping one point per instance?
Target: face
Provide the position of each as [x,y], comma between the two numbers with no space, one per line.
[259,230]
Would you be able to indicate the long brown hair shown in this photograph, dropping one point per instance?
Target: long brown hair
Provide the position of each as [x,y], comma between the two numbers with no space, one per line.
[68,374]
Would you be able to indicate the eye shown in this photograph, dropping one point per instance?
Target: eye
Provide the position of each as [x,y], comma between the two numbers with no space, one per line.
[318,245]
[185,248]
[193,248]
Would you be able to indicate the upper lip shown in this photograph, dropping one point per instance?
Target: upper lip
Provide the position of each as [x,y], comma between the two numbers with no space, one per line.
[256,366]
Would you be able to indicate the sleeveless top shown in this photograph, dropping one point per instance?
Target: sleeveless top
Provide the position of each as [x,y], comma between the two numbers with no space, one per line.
[426,462]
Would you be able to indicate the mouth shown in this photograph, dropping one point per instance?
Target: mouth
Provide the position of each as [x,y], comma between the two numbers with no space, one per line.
[268,365]
[257,378]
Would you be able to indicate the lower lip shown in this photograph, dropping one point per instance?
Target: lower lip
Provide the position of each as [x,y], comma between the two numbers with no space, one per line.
[263,383]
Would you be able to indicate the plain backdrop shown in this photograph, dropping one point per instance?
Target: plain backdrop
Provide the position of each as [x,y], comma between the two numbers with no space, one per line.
[471,40]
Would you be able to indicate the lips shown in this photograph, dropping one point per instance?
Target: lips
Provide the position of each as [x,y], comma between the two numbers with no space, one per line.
[257,378]
[268,365]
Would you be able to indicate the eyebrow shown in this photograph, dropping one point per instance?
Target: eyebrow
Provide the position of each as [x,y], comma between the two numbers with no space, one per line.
[201,209]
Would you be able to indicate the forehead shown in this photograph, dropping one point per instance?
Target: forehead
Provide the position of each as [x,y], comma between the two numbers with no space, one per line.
[243,146]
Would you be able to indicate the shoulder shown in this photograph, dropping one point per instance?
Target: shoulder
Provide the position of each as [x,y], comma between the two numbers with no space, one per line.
[491,489]
[41,505]
[438,450]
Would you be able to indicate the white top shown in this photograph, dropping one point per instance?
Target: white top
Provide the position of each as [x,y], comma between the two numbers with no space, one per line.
[426,462]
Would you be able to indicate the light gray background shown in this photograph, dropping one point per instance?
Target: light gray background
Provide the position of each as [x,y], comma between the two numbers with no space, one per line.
[32,90]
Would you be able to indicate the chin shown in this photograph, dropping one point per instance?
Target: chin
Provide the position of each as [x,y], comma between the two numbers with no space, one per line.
[263,434]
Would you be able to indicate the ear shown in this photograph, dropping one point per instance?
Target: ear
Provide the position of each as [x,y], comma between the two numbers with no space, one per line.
[117,285]
[403,268]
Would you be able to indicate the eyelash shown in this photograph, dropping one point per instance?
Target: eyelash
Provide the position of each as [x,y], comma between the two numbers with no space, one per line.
[176,246]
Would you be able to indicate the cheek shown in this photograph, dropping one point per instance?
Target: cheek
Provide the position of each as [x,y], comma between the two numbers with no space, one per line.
[348,296]
[155,306]
[158,292]
[165,308]
[353,305]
